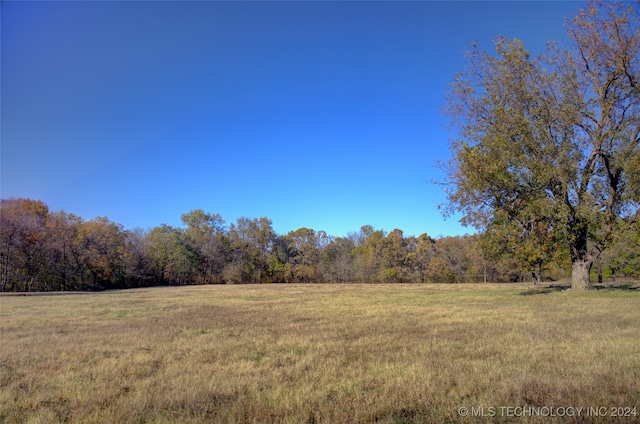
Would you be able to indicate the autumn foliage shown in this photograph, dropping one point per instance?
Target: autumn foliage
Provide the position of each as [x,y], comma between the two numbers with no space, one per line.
[43,250]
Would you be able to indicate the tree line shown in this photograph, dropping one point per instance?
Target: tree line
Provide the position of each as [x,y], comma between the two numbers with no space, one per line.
[43,250]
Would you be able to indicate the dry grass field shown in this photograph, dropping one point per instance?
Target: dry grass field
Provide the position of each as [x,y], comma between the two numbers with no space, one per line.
[322,354]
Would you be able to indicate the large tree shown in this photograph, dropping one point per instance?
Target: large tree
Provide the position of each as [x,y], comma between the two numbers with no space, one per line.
[553,141]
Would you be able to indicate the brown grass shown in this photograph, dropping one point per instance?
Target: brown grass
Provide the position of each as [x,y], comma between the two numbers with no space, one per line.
[318,353]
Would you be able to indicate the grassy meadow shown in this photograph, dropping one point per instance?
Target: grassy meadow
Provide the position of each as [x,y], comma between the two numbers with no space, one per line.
[321,354]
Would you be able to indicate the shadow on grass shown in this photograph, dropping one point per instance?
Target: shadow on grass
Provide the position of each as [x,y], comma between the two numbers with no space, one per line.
[544,290]
[634,286]
[623,287]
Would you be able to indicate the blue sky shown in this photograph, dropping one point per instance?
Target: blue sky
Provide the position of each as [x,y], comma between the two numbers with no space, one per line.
[325,115]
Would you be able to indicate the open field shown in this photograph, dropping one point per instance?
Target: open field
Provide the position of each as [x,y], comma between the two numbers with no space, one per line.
[321,353]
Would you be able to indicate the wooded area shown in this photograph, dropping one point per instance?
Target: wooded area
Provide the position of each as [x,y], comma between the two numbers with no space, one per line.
[43,250]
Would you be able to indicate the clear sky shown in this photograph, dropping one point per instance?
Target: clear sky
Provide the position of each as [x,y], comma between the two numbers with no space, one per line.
[325,115]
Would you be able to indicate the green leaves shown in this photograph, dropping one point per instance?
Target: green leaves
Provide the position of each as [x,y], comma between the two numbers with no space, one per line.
[553,139]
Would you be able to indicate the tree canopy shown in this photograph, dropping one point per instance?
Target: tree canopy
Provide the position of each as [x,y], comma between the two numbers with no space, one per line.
[41,250]
[550,145]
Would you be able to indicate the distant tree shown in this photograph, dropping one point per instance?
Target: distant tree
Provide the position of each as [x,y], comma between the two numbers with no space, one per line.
[393,257]
[135,257]
[421,252]
[22,242]
[278,262]
[250,243]
[553,141]
[359,238]
[64,254]
[209,235]
[450,262]
[303,257]
[172,255]
[367,254]
[338,260]
[102,246]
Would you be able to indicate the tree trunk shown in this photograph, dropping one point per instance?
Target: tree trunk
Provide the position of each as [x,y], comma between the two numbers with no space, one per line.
[537,274]
[580,278]
[581,260]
